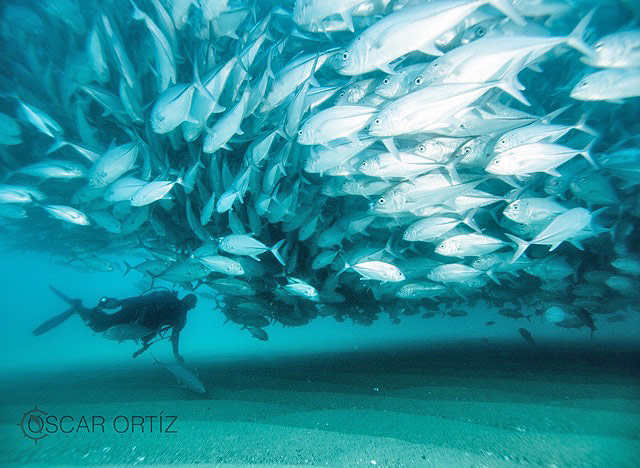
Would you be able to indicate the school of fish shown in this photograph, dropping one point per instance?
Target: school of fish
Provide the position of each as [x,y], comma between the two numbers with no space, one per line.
[345,158]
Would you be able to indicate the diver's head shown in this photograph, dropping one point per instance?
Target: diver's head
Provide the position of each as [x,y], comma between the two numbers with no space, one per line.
[189,301]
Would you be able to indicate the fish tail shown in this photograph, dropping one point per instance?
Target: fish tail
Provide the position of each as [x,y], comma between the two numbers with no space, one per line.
[346,265]
[576,38]
[137,14]
[553,114]
[586,153]
[509,82]
[269,70]
[57,144]
[460,293]
[198,83]
[451,169]
[37,202]
[276,253]
[127,267]
[522,245]
[600,229]
[390,144]
[582,126]
[507,9]
[153,278]
[491,274]
[11,95]
[509,180]
[468,220]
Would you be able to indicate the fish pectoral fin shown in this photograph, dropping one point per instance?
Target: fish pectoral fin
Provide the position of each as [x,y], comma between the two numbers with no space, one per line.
[354,139]
[390,144]
[535,68]
[430,49]
[348,20]
[554,246]
[553,172]
[386,69]
[328,146]
[576,243]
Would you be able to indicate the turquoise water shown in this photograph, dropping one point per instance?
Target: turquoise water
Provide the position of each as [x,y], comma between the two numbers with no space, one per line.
[323,334]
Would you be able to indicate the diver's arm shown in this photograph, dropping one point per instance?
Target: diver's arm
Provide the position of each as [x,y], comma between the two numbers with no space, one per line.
[109,303]
[175,342]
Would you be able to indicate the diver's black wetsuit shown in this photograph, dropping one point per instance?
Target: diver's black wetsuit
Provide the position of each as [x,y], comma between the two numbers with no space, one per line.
[151,310]
[158,311]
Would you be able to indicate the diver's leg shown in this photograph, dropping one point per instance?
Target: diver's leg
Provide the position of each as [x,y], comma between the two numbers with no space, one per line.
[96,319]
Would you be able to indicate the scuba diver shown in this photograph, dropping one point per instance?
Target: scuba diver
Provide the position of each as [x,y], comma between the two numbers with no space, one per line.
[141,317]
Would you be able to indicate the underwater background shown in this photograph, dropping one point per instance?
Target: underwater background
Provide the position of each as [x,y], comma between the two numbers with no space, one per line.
[340,345]
[27,301]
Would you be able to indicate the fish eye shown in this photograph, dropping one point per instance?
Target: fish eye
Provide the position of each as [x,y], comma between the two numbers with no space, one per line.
[377,121]
[480,32]
[599,47]
[496,161]
[418,81]
[300,132]
[382,200]
[467,150]
[436,64]
[503,141]
[385,81]
[514,207]
[422,148]
[345,56]
[583,180]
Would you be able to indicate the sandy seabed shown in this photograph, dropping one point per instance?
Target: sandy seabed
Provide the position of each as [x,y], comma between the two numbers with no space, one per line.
[462,407]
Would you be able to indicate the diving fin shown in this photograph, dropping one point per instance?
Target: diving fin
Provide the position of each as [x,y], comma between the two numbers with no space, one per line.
[54,322]
[63,296]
